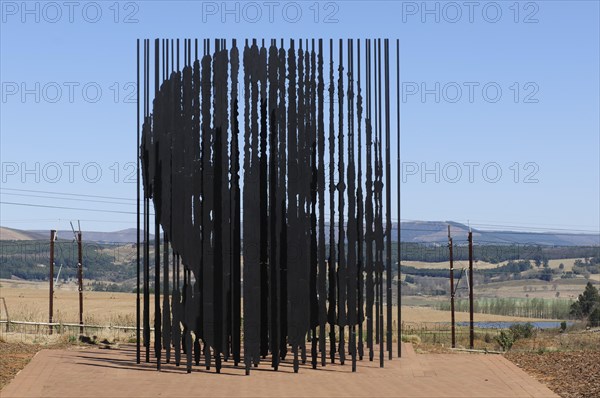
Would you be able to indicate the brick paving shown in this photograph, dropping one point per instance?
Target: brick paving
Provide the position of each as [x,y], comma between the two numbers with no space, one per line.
[109,373]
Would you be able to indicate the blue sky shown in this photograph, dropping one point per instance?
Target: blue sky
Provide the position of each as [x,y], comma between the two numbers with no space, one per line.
[510,88]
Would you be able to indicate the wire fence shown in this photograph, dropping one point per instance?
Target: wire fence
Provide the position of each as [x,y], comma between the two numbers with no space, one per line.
[46,332]
[436,333]
[528,307]
[441,332]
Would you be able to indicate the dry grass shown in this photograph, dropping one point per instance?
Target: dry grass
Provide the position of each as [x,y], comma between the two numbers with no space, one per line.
[11,234]
[100,308]
[29,302]
[425,314]
[533,288]
[446,264]
[554,264]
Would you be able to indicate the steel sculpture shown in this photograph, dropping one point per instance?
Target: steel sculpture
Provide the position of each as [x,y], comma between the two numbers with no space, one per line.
[272,241]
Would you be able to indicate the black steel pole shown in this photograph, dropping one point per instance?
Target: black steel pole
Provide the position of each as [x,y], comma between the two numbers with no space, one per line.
[388,200]
[399,298]
[380,205]
[359,214]
[332,188]
[146,218]
[341,206]
[157,316]
[137,152]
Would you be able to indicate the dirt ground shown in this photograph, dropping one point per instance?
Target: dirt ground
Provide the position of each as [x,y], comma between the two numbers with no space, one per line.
[569,374]
[572,374]
[113,372]
[13,358]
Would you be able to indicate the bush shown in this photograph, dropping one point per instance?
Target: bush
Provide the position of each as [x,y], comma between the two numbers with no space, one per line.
[487,337]
[522,331]
[411,338]
[505,339]
[545,275]
[563,326]
[567,275]
[594,318]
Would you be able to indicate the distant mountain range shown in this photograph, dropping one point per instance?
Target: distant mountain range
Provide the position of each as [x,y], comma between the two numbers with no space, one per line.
[123,236]
[437,232]
[428,232]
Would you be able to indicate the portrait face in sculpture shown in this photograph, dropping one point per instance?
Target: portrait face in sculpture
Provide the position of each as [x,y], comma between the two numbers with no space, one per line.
[250,158]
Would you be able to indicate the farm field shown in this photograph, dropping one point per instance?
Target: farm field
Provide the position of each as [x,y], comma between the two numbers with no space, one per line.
[553,264]
[534,288]
[28,301]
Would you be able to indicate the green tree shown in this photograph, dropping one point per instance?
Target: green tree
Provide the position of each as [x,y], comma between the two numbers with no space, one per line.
[594,318]
[545,275]
[587,304]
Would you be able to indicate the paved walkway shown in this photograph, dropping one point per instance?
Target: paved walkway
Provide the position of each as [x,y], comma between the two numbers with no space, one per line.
[110,373]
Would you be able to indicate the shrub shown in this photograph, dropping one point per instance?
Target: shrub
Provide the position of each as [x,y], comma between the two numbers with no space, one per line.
[563,326]
[545,275]
[505,339]
[487,337]
[522,331]
[411,338]
[594,318]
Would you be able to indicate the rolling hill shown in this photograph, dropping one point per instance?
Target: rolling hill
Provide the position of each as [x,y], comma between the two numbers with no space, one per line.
[426,232]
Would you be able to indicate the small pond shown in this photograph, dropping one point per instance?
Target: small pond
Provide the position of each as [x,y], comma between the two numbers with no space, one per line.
[506,325]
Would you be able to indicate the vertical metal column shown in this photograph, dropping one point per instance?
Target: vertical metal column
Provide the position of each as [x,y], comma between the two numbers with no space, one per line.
[398,198]
[471,327]
[450,246]
[137,207]
[51,280]
[388,199]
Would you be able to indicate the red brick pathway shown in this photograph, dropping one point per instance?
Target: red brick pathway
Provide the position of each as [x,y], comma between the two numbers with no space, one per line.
[111,373]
